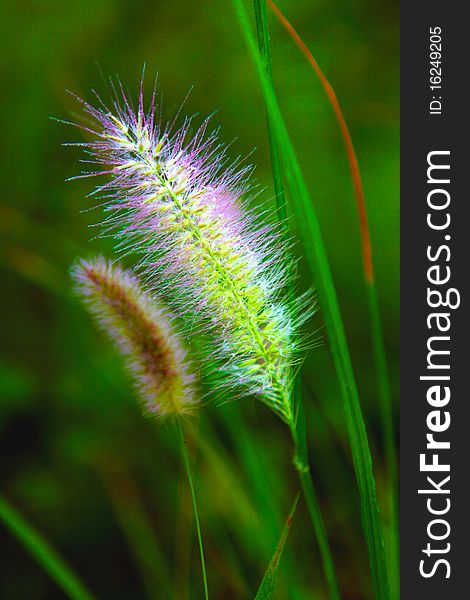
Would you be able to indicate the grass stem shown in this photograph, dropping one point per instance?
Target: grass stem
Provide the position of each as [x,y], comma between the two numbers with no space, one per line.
[298,431]
[187,467]
[316,256]
[388,434]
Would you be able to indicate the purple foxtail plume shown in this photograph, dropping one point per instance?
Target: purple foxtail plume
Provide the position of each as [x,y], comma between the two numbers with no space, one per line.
[173,198]
[144,334]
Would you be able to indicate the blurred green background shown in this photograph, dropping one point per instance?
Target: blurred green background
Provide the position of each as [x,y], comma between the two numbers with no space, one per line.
[104,485]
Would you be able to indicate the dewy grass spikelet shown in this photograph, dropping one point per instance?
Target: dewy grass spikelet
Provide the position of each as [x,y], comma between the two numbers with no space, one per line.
[173,199]
[144,334]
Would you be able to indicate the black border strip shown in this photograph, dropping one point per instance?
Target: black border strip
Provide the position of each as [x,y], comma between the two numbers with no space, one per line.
[423,132]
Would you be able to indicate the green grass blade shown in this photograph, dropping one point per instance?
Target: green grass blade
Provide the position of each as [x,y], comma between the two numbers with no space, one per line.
[266,589]
[315,253]
[301,458]
[388,432]
[189,475]
[301,462]
[265,52]
[264,481]
[46,556]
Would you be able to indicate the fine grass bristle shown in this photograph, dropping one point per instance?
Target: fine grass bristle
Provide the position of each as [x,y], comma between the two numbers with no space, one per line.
[173,198]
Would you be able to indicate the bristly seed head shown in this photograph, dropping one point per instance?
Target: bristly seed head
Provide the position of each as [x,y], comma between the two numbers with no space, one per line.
[172,198]
[144,334]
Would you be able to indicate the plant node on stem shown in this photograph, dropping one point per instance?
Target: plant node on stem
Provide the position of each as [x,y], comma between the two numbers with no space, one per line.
[301,464]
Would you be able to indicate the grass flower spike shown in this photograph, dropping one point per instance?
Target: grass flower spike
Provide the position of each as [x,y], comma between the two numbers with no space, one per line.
[144,334]
[173,198]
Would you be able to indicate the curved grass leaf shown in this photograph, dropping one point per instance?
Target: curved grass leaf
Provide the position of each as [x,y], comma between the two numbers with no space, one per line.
[300,441]
[266,589]
[378,345]
[315,254]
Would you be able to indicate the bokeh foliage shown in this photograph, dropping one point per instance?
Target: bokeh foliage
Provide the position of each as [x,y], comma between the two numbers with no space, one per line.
[105,485]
